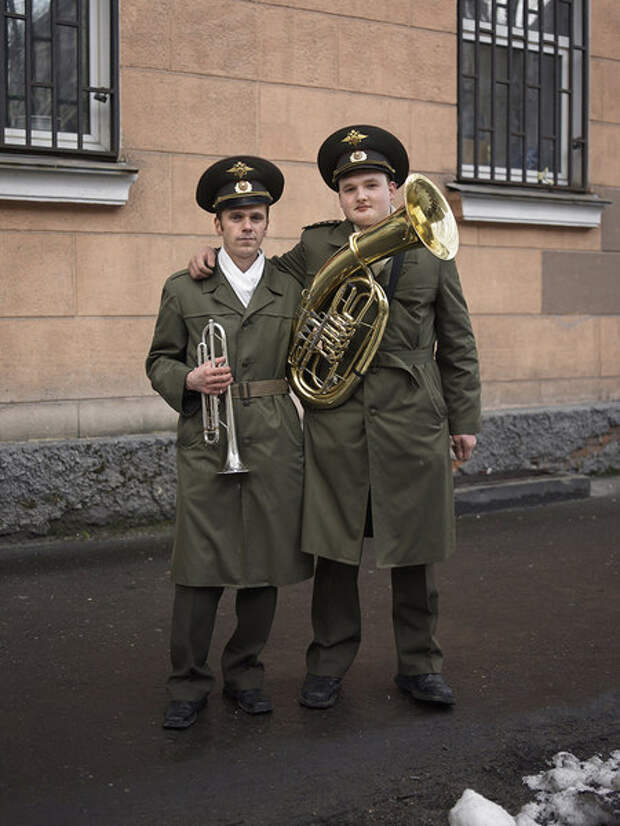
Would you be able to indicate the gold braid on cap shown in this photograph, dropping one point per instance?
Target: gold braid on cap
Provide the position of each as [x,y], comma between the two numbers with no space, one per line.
[256,193]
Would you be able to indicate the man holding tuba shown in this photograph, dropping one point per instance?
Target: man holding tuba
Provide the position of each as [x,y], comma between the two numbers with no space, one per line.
[238,522]
[383,454]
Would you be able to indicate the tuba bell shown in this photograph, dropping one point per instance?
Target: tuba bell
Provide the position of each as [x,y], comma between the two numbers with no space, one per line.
[343,313]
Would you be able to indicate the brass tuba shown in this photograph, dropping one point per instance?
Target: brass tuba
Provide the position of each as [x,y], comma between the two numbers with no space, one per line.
[343,313]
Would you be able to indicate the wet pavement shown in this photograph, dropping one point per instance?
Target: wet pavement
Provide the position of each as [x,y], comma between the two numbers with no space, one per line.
[529,623]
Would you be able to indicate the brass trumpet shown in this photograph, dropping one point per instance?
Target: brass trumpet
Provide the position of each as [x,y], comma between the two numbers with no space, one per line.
[211,420]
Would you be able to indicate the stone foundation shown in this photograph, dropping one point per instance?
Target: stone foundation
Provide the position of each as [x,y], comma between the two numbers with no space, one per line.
[57,488]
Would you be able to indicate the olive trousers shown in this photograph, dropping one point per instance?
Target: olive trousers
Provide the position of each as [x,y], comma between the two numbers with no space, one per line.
[193,619]
[337,627]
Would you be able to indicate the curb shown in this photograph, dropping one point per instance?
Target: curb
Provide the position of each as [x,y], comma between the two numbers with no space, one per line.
[516,493]
[156,540]
[101,548]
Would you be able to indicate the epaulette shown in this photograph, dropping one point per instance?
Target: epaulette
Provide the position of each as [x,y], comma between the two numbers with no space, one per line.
[322,224]
[178,274]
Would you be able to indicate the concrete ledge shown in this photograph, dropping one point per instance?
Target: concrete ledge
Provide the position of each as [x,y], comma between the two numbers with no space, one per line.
[85,418]
[64,180]
[59,488]
[517,493]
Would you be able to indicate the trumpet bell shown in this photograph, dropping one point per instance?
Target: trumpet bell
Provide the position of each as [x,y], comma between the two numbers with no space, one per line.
[233,465]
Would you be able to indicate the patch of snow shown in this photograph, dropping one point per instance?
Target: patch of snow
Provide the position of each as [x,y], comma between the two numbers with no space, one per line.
[576,793]
[571,793]
[472,809]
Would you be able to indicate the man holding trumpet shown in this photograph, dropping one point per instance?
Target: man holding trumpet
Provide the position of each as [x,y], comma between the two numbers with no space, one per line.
[383,454]
[237,523]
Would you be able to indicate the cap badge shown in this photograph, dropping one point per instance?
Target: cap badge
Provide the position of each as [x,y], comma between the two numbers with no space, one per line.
[358,156]
[240,170]
[354,138]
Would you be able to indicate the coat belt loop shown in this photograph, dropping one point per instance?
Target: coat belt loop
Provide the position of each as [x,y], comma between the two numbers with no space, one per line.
[244,392]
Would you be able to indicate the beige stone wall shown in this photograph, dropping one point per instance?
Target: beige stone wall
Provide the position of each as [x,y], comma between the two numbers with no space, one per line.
[80,286]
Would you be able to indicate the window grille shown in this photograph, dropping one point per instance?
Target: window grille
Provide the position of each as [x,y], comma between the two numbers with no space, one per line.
[59,77]
[523,92]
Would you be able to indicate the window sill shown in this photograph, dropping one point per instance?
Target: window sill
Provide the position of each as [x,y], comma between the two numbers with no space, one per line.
[64,180]
[518,205]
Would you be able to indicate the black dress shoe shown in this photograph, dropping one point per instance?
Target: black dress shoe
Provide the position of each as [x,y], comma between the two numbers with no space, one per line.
[183,713]
[320,692]
[250,700]
[429,688]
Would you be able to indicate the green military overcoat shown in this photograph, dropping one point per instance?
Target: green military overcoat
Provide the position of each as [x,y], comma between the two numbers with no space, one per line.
[392,437]
[234,530]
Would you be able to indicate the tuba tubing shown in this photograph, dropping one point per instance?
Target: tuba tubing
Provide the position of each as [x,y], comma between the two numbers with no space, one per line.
[320,375]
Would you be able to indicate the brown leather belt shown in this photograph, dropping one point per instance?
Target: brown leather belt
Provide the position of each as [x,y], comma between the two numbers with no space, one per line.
[253,389]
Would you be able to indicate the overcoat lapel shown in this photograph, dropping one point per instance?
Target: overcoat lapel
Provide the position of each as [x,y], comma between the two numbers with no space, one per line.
[221,291]
[267,291]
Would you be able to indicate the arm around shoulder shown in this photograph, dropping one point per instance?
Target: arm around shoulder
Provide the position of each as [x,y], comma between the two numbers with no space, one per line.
[292,263]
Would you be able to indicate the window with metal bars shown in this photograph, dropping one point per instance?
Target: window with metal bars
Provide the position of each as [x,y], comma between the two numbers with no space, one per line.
[59,77]
[523,92]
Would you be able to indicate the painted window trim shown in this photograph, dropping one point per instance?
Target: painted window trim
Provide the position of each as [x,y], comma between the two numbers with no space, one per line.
[518,205]
[65,180]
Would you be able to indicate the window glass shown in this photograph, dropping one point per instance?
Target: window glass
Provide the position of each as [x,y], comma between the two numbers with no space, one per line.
[521,103]
[57,75]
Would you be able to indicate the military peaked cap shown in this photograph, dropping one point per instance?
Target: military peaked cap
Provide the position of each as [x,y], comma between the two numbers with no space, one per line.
[362,147]
[242,180]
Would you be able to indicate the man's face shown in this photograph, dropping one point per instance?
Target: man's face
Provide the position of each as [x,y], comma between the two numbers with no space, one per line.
[365,197]
[242,230]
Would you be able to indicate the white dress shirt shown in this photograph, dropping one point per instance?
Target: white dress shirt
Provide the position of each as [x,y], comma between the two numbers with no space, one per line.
[243,283]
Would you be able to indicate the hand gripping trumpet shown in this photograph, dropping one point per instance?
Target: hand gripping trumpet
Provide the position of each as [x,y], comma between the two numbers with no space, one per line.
[212,334]
[343,313]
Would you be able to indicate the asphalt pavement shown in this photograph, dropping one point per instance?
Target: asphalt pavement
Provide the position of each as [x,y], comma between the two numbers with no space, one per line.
[529,618]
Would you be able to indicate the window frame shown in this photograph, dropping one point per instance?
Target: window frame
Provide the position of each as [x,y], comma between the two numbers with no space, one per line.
[570,173]
[102,140]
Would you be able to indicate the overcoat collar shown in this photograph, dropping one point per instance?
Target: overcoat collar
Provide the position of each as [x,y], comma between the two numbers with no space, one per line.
[339,235]
[267,291]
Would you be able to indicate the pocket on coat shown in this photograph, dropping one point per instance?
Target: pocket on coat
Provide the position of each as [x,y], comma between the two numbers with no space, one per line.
[428,382]
[189,430]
